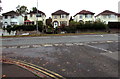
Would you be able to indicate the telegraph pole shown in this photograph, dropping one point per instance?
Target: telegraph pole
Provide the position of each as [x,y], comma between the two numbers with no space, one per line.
[37,18]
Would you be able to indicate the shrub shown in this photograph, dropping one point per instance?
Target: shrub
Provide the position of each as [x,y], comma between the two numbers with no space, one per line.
[24,27]
[114,25]
[40,26]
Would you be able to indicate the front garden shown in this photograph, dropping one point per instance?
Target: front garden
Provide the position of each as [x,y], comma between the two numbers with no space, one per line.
[74,27]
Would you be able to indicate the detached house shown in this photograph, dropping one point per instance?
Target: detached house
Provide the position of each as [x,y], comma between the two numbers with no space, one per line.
[107,16]
[32,17]
[60,18]
[84,16]
[12,18]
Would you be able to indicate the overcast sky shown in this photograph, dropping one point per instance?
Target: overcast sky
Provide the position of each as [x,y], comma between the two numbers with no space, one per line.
[70,6]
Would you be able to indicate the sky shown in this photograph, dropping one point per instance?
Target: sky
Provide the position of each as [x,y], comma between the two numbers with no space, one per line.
[70,6]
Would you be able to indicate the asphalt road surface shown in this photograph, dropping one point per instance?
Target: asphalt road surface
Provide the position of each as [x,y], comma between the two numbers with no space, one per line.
[57,39]
[69,56]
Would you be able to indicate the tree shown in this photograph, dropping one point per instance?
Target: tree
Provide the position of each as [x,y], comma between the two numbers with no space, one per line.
[49,22]
[34,9]
[21,9]
[40,26]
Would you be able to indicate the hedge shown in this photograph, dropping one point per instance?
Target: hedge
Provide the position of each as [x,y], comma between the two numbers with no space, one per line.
[77,26]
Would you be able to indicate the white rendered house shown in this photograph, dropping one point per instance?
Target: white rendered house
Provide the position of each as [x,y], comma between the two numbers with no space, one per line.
[84,16]
[33,17]
[12,18]
[60,18]
[107,16]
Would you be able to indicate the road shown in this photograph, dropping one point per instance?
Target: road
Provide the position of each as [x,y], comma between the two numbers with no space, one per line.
[57,39]
[69,56]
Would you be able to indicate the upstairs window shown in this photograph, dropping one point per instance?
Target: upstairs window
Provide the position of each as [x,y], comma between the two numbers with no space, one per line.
[38,15]
[63,16]
[6,17]
[113,16]
[12,16]
[89,16]
[55,17]
[86,16]
[81,17]
[104,16]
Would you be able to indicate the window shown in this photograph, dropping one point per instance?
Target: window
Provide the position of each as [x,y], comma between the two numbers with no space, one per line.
[6,17]
[13,23]
[55,17]
[38,15]
[63,16]
[104,16]
[81,17]
[89,16]
[86,16]
[12,16]
[113,16]
[5,23]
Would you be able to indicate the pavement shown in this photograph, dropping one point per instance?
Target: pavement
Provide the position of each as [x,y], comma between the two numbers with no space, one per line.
[11,70]
[69,56]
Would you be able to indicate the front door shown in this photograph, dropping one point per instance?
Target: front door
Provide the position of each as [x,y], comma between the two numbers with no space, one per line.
[55,24]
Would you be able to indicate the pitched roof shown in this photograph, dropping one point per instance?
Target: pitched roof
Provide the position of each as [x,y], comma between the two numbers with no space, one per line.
[85,12]
[10,13]
[59,12]
[107,12]
[34,12]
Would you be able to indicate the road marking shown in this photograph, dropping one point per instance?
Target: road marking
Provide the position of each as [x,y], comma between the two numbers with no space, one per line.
[41,69]
[102,42]
[78,43]
[3,47]
[13,47]
[98,48]
[70,44]
[45,69]
[109,41]
[57,44]
[25,46]
[47,45]
[35,46]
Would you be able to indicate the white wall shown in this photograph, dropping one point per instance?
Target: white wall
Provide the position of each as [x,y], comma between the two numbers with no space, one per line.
[18,19]
[59,19]
[84,19]
[34,18]
[107,18]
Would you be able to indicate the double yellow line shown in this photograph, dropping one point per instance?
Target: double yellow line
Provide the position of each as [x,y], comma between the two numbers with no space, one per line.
[44,71]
